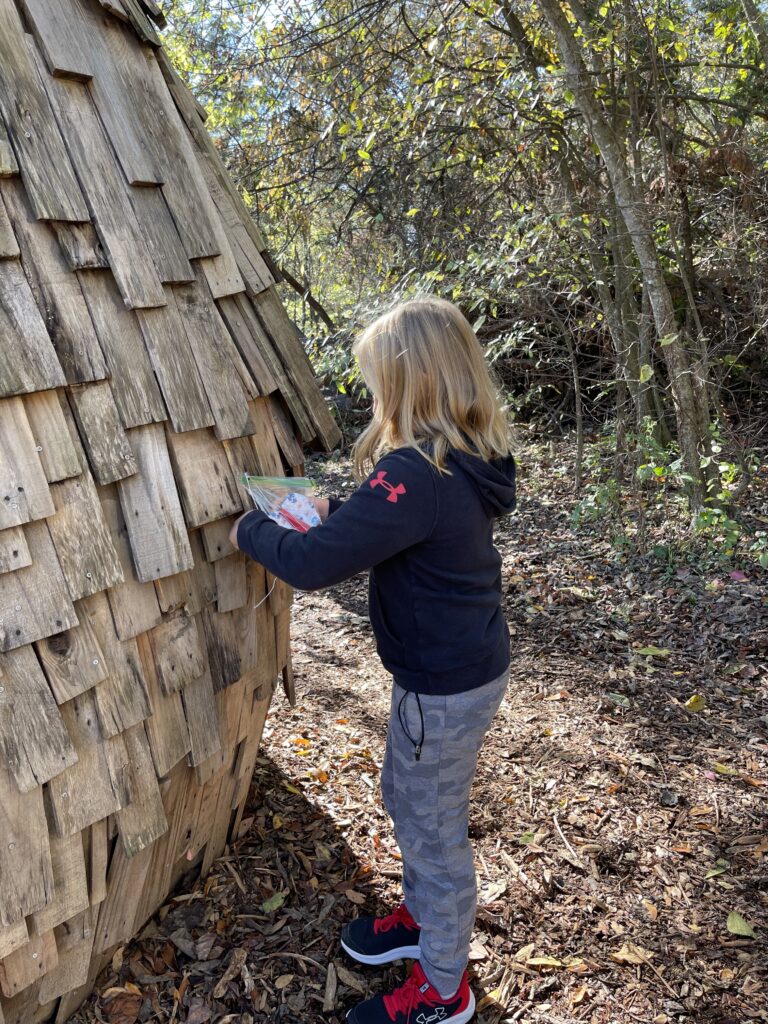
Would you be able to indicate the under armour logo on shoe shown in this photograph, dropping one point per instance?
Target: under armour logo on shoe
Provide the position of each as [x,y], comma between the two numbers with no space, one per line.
[394,489]
[433,1018]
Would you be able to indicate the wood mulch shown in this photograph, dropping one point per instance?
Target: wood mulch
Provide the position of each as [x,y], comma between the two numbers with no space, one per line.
[621,837]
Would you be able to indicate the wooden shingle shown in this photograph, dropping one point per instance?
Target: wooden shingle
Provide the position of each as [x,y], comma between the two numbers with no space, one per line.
[27,357]
[24,492]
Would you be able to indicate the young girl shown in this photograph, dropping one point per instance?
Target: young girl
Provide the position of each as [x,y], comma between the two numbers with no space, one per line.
[422,522]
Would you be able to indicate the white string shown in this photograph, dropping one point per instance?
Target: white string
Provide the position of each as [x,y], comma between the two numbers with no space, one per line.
[261,602]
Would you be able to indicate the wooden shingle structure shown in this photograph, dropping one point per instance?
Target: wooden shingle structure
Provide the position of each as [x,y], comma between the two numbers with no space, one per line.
[145,362]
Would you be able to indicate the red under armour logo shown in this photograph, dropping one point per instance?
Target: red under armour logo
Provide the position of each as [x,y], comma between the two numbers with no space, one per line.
[394,491]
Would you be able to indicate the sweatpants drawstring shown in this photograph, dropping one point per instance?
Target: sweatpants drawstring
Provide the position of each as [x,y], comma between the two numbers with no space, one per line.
[418,745]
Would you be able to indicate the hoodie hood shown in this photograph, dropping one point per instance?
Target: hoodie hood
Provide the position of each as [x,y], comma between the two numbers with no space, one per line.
[494,480]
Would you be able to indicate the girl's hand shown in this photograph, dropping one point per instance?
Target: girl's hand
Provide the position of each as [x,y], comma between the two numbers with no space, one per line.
[233,531]
[322,508]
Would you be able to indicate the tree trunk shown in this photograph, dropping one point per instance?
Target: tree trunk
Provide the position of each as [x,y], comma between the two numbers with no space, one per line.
[692,425]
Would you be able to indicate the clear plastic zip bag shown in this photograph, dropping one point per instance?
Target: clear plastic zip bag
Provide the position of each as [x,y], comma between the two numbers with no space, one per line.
[287,500]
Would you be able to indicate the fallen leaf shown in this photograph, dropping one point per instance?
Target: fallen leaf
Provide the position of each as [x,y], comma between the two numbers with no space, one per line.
[491,999]
[283,981]
[724,769]
[233,969]
[524,952]
[544,961]
[579,995]
[650,909]
[355,897]
[123,1008]
[654,652]
[273,903]
[631,954]
[736,925]
[697,702]
[348,978]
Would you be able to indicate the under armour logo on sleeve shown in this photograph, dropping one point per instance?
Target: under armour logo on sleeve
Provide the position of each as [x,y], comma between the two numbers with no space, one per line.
[395,490]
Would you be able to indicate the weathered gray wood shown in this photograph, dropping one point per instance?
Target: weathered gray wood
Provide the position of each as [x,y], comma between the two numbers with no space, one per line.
[98,856]
[140,21]
[59,31]
[72,969]
[133,380]
[33,741]
[167,727]
[70,885]
[264,441]
[211,345]
[34,601]
[13,936]
[80,245]
[83,545]
[28,359]
[223,649]
[73,661]
[117,915]
[206,485]
[152,511]
[56,290]
[175,366]
[231,584]
[121,699]
[134,605]
[27,965]
[162,235]
[115,7]
[9,246]
[240,330]
[102,432]
[45,167]
[107,196]
[178,650]
[143,820]
[278,325]
[52,437]
[14,553]
[24,493]
[96,786]
[284,432]
[8,164]
[26,876]
[202,719]
[216,538]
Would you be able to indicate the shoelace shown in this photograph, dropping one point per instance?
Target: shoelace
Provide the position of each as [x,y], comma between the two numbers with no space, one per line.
[407,998]
[399,916]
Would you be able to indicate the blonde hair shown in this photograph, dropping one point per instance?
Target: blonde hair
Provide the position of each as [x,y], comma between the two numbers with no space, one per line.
[431,385]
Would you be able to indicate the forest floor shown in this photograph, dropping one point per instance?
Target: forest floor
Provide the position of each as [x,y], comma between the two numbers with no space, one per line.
[621,837]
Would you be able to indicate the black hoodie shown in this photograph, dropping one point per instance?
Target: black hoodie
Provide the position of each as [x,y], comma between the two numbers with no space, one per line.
[435,582]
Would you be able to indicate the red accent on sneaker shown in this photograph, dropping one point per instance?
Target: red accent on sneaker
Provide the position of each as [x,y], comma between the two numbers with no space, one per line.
[400,916]
[415,992]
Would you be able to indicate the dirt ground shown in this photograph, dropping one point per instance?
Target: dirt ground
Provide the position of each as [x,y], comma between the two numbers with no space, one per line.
[621,837]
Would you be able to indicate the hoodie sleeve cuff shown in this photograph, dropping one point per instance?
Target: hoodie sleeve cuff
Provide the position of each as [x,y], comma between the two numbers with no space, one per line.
[334,504]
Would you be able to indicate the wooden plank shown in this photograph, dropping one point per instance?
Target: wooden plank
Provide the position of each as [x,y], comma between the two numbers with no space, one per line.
[174,364]
[140,21]
[51,435]
[143,820]
[283,638]
[80,245]
[231,584]
[121,699]
[223,648]
[192,591]
[95,786]
[178,651]
[278,326]
[35,601]
[133,381]
[207,488]
[202,719]
[80,535]
[14,553]
[58,28]
[162,235]
[126,880]
[33,741]
[26,875]
[264,441]
[45,167]
[115,7]
[240,330]
[71,971]
[102,432]
[280,595]
[110,207]
[73,661]
[215,538]
[253,624]
[152,511]
[97,862]
[56,290]
[24,493]
[167,727]
[134,605]
[212,348]
[8,165]
[9,246]
[284,432]
[28,359]
[12,937]
[70,882]
[28,964]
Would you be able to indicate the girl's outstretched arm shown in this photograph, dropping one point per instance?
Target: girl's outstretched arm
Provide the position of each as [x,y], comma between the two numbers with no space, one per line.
[391,510]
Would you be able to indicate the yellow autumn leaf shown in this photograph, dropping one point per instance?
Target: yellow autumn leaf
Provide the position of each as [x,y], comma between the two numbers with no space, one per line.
[631,954]
[697,702]
[544,961]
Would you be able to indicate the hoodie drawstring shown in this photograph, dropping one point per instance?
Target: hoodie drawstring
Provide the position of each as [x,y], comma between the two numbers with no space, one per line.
[420,743]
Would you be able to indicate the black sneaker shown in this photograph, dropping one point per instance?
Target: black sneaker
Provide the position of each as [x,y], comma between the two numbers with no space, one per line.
[416,1001]
[378,940]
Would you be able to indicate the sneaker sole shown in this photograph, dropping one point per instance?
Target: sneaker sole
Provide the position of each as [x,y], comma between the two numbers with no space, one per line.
[400,953]
[458,1018]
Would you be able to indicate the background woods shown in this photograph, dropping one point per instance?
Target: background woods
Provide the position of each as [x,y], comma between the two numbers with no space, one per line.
[586,180]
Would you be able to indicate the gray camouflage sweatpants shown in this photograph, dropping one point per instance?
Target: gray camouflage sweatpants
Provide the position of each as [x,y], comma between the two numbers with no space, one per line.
[428,801]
